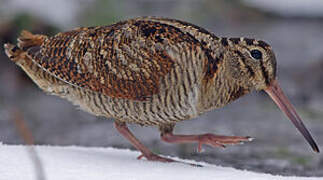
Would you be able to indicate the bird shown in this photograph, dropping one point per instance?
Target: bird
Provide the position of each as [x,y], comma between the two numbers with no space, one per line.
[152,71]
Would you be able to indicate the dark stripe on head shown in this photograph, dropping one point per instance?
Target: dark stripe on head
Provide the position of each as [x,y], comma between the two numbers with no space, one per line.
[243,59]
[235,40]
[224,41]
[264,73]
[248,41]
[263,44]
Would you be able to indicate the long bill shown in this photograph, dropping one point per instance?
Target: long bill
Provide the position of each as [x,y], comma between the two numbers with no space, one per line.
[276,93]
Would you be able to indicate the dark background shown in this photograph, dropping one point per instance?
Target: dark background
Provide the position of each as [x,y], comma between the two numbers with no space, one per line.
[294,28]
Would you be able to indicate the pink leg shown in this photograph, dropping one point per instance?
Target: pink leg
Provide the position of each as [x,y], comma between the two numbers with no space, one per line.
[208,139]
[123,129]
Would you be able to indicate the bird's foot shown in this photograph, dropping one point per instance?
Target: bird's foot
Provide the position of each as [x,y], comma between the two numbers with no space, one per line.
[208,139]
[155,157]
[220,141]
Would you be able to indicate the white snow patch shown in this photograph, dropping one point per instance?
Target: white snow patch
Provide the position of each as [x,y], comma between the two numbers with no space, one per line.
[74,163]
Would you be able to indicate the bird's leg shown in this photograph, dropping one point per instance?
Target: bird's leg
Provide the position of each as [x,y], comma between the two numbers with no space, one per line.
[123,129]
[208,139]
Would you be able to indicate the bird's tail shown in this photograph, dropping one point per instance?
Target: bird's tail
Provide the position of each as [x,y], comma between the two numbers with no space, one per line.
[26,40]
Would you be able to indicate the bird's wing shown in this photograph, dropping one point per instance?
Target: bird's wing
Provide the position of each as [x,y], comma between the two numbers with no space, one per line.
[124,60]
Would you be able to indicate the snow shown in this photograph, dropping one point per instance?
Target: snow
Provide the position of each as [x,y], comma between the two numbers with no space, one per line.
[69,163]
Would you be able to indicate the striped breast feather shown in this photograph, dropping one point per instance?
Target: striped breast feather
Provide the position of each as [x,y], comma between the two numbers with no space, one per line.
[105,60]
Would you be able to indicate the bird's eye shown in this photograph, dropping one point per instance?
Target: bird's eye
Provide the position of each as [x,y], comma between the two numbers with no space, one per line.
[256,54]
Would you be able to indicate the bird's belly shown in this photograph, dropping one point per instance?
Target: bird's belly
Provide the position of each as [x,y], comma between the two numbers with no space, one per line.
[164,108]
[158,110]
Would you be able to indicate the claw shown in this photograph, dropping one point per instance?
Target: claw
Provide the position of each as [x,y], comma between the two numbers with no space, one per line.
[250,138]
[140,157]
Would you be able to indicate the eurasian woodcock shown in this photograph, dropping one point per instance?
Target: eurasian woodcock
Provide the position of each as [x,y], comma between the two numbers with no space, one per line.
[152,71]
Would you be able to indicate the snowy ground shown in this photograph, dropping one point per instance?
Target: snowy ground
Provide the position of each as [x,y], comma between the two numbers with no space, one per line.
[109,163]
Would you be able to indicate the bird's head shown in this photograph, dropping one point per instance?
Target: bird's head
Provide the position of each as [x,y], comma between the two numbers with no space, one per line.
[252,64]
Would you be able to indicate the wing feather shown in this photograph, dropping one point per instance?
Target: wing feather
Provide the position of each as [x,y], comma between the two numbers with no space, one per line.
[124,60]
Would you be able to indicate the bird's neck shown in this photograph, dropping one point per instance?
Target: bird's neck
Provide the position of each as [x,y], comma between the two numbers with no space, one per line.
[220,91]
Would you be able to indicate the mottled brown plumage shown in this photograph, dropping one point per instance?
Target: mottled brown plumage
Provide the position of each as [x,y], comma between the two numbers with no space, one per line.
[151,71]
